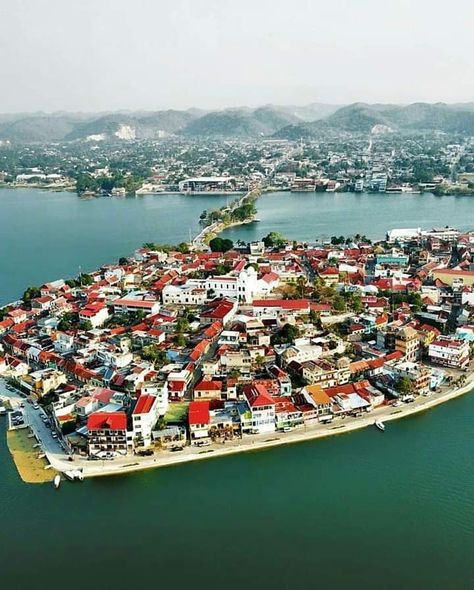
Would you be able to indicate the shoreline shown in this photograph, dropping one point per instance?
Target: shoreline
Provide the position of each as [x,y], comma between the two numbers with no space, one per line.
[132,464]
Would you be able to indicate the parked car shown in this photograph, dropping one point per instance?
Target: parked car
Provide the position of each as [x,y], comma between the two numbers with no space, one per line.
[145,452]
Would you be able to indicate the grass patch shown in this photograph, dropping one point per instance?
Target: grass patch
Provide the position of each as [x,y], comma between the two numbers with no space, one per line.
[177,413]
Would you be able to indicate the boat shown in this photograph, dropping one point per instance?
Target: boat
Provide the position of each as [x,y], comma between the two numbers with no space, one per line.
[57,481]
[380,425]
[3,410]
[74,475]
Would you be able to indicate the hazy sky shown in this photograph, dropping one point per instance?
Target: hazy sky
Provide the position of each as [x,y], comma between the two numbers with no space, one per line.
[151,54]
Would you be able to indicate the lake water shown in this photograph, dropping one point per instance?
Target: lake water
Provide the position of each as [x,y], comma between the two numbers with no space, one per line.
[365,510]
[310,216]
[360,511]
[48,235]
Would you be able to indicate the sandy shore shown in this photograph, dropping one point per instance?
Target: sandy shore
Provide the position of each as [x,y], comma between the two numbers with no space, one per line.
[26,457]
[261,442]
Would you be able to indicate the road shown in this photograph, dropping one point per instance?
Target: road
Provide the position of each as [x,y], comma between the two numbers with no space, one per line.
[60,460]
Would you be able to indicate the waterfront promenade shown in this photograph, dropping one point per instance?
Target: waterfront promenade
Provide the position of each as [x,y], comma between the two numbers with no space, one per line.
[59,460]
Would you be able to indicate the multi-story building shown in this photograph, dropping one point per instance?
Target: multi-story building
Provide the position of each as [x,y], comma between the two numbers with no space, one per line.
[450,352]
[242,287]
[407,342]
[107,433]
[262,409]
[198,420]
[191,293]
[144,417]
[419,375]
[326,374]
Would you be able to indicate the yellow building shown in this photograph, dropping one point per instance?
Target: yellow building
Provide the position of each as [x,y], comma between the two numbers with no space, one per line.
[407,342]
[449,275]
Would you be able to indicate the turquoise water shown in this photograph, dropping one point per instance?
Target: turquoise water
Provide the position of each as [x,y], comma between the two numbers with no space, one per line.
[307,216]
[364,510]
[47,235]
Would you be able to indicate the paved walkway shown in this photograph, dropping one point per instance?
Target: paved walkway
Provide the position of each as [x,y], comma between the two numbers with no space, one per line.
[59,459]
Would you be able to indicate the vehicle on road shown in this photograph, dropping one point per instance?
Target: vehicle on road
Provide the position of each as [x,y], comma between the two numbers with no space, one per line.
[145,452]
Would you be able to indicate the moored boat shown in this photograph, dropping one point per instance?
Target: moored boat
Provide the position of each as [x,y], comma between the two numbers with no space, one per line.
[74,475]
[57,481]
[380,425]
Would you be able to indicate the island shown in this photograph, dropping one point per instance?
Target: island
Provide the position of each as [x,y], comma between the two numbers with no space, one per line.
[182,353]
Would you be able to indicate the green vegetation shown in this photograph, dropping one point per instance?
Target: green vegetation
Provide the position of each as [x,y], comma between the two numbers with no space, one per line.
[125,320]
[31,293]
[221,244]
[155,355]
[405,386]
[274,240]
[69,321]
[182,247]
[286,335]
[85,182]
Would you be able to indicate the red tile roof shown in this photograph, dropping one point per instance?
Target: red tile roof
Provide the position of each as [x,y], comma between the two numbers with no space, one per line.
[257,396]
[107,421]
[198,413]
[291,304]
[144,404]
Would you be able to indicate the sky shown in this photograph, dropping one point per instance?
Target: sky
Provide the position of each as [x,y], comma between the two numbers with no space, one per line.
[103,55]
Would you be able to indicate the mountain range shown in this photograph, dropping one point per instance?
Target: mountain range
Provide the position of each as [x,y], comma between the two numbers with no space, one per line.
[284,122]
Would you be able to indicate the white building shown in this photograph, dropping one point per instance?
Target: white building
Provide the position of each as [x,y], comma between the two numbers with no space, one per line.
[243,287]
[160,392]
[191,293]
[144,418]
[450,352]
[403,235]
[136,303]
[262,410]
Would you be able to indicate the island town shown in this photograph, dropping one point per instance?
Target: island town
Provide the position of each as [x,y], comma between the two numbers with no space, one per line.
[177,353]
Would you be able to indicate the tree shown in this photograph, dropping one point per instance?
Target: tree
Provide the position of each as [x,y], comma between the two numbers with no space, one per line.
[86,325]
[221,244]
[31,293]
[85,279]
[404,386]
[154,354]
[123,261]
[274,240]
[182,325]
[287,334]
[180,340]
[356,302]
[259,360]
[338,303]
[183,247]
[314,317]
[69,321]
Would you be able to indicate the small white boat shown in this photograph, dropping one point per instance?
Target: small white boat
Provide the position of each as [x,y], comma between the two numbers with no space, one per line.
[74,475]
[380,425]
[57,481]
